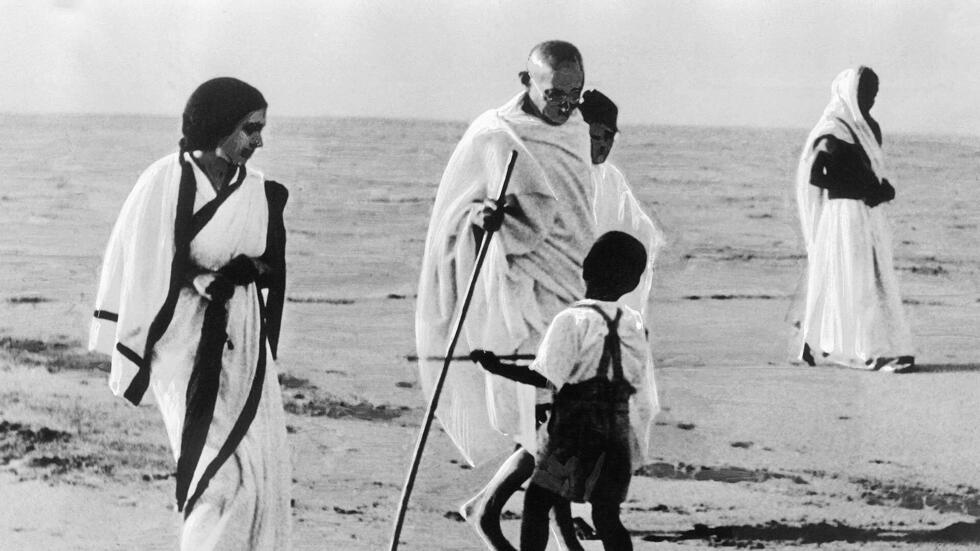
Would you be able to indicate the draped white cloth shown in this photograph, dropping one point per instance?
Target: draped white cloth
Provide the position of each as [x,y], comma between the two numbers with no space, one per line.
[572,348]
[853,306]
[615,208]
[246,504]
[532,270]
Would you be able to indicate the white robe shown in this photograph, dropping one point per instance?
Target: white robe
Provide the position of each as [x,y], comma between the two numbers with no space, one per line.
[853,306]
[532,270]
[246,504]
[615,208]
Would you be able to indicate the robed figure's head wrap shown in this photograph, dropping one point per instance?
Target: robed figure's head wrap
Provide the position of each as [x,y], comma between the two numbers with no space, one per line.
[214,109]
[843,119]
[845,108]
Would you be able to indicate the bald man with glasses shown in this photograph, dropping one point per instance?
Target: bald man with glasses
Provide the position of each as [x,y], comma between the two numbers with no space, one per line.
[532,270]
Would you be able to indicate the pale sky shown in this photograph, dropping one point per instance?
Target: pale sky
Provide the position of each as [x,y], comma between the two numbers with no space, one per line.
[755,62]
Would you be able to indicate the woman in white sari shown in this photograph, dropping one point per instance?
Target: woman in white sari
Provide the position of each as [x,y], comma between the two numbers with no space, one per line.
[181,311]
[853,308]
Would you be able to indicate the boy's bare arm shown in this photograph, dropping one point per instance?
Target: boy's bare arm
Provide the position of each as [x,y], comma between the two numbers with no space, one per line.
[519,373]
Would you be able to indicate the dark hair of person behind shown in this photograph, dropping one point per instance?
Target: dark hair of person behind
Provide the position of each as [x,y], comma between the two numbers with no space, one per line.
[597,108]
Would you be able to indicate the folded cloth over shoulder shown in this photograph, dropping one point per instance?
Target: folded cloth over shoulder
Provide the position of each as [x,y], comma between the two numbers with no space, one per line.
[532,270]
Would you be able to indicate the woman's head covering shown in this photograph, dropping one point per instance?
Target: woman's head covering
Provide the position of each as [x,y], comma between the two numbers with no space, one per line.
[845,108]
[616,260]
[842,118]
[597,108]
[214,109]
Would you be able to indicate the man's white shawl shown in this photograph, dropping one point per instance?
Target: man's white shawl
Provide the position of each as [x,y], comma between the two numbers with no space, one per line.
[532,270]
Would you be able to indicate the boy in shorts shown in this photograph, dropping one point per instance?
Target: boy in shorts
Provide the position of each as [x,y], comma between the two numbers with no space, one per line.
[596,360]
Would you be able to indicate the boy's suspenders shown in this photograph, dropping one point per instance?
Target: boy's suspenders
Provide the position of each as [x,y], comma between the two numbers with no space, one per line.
[611,349]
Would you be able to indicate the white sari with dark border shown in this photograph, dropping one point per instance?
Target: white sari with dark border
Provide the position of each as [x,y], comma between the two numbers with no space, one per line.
[209,365]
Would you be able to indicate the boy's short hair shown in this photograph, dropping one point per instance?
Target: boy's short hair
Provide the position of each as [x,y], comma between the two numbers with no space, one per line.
[615,258]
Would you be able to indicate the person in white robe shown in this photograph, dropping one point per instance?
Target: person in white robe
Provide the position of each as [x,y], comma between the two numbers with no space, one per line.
[615,208]
[189,307]
[532,270]
[853,313]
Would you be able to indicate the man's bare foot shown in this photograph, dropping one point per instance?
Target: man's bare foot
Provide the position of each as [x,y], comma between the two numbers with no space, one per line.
[468,509]
[485,523]
[807,356]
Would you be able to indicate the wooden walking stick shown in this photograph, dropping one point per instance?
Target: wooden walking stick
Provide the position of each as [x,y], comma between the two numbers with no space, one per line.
[457,330]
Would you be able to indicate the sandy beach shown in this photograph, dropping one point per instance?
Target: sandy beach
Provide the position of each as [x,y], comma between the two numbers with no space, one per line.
[754,451]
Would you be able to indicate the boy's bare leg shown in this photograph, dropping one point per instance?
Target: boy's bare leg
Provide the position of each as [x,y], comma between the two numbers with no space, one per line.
[482,512]
[610,528]
[563,529]
[534,520]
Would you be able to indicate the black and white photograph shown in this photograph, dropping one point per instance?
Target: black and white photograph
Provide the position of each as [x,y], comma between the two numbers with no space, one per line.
[489,275]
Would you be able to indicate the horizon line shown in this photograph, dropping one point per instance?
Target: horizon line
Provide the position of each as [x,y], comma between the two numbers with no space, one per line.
[901,132]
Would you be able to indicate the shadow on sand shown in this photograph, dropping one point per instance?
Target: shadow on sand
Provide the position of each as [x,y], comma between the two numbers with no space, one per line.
[941,368]
[822,532]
